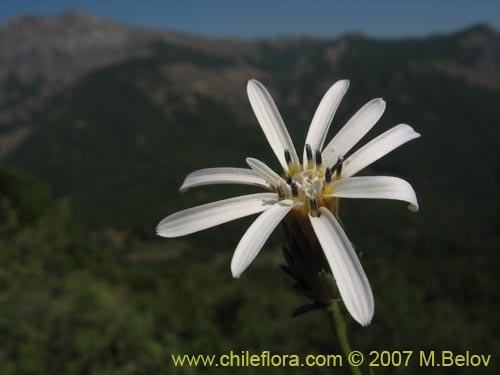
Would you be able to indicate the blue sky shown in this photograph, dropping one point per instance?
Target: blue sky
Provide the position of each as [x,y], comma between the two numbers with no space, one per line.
[258,18]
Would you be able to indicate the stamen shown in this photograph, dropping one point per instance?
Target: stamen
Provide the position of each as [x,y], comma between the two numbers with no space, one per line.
[328,175]
[337,168]
[308,151]
[319,159]
[309,156]
[288,158]
[289,164]
[281,192]
[295,190]
[313,207]
[340,161]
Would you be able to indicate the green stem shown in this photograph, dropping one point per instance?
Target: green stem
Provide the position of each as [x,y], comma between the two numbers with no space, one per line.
[338,326]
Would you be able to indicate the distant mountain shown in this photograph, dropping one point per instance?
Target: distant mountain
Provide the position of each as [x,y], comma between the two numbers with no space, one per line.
[42,55]
[118,135]
[60,48]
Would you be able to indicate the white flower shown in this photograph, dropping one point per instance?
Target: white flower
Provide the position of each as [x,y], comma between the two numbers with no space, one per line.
[311,188]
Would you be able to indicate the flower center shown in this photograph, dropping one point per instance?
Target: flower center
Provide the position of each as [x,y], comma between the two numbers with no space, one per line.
[312,184]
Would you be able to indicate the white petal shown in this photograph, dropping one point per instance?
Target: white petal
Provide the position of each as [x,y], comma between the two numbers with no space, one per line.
[209,215]
[377,187]
[257,234]
[265,172]
[351,279]
[271,122]
[378,147]
[323,116]
[214,176]
[353,130]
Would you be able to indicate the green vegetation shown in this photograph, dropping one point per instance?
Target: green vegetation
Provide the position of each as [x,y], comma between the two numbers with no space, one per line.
[74,303]
[17,90]
[169,52]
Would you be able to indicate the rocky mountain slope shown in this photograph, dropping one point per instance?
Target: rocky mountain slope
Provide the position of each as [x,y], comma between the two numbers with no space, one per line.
[156,105]
[42,55]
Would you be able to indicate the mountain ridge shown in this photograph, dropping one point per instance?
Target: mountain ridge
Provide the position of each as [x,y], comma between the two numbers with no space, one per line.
[179,99]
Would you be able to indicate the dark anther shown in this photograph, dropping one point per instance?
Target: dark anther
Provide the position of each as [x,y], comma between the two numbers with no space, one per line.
[295,190]
[340,161]
[288,179]
[337,168]
[288,158]
[328,175]
[314,206]
[309,152]
[319,159]
[281,192]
